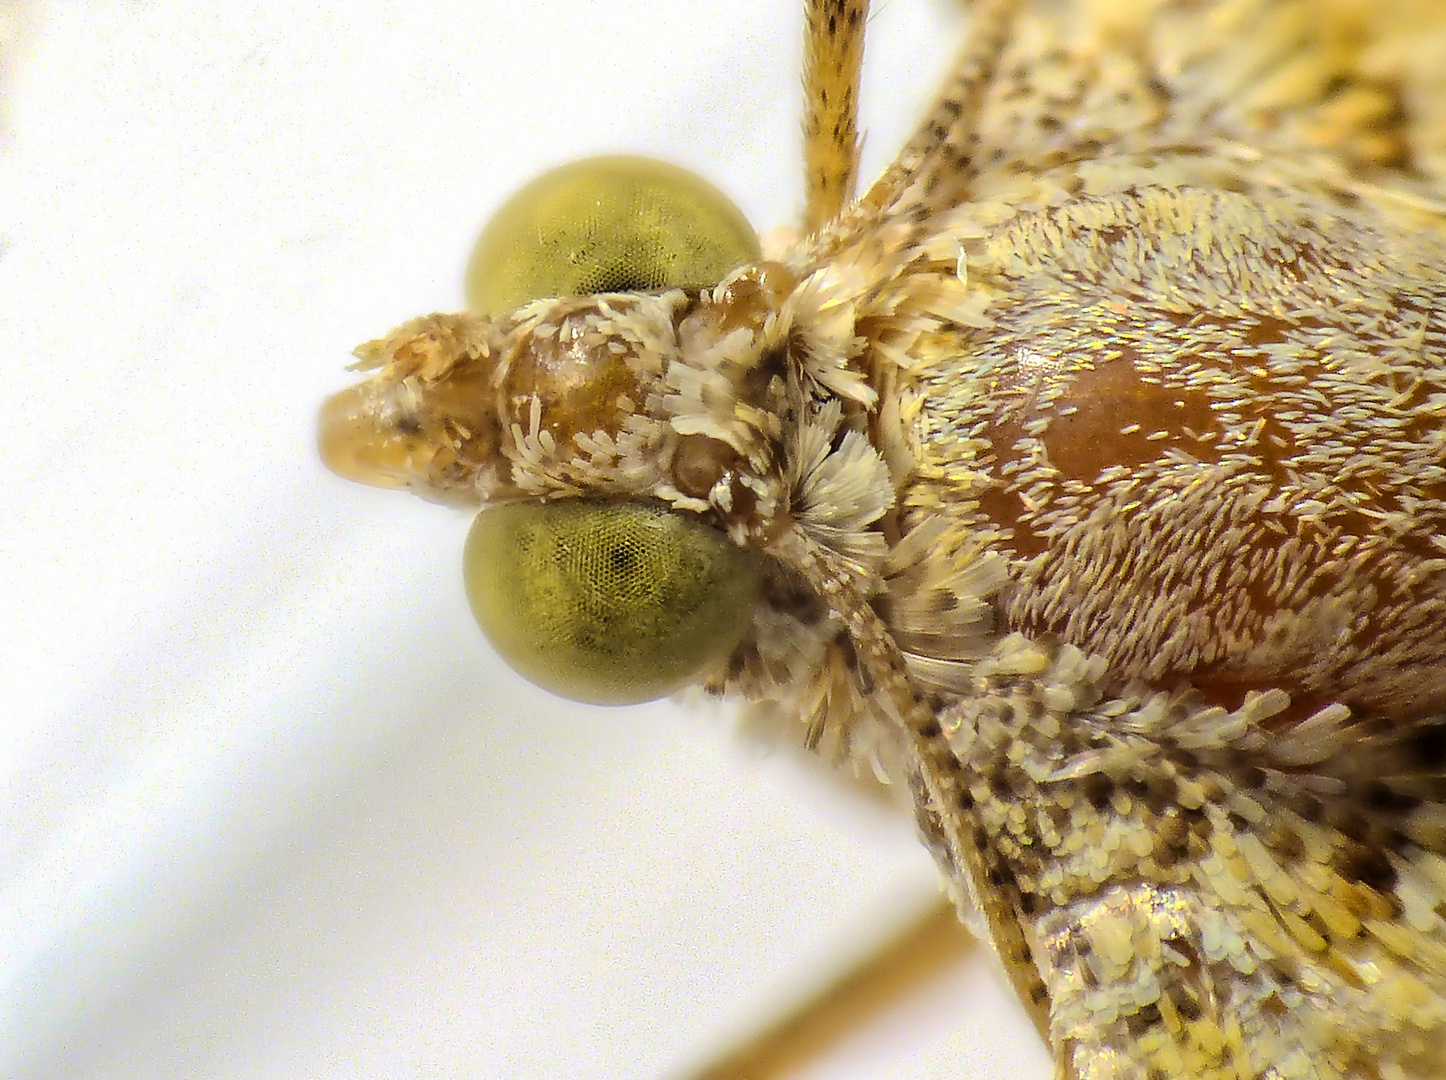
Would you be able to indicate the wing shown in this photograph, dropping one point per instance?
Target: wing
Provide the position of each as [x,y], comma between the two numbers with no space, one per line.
[1206,896]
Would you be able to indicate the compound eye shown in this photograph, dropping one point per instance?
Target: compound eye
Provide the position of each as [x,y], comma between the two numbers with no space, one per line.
[607,224]
[607,603]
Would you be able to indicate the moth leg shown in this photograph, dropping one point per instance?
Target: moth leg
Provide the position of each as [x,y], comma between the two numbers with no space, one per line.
[939,159]
[901,967]
[934,774]
[936,167]
[833,54]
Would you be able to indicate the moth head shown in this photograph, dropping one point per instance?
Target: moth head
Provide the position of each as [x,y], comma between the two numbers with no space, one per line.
[590,400]
[600,356]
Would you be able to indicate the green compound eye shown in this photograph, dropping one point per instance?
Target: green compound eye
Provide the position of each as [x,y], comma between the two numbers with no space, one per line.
[607,603]
[607,224]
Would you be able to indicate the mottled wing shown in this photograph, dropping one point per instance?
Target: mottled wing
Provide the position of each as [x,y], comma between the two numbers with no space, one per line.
[1206,897]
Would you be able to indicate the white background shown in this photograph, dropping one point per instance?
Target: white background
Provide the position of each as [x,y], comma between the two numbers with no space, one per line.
[268,805]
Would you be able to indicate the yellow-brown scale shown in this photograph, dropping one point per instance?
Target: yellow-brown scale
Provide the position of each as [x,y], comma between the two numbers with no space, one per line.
[1223,474]
[1181,870]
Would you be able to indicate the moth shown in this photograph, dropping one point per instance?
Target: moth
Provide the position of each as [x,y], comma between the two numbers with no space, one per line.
[1085,477]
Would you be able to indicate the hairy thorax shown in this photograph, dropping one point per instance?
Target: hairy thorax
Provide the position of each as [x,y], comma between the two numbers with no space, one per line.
[1205,428]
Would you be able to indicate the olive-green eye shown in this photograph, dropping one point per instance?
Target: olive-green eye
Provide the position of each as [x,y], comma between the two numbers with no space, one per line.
[607,603]
[607,224]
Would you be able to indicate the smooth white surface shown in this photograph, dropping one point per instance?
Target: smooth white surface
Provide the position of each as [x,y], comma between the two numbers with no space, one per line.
[268,806]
